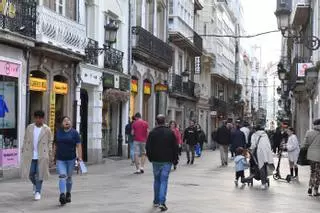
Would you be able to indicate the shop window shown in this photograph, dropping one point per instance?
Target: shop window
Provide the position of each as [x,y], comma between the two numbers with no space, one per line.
[58,101]
[146,98]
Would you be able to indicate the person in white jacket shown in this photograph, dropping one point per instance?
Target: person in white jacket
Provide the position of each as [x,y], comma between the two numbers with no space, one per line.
[293,149]
[260,140]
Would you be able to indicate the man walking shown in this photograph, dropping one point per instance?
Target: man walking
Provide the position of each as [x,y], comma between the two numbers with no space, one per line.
[129,139]
[190,137]
[162,151]
[140,134]
[238,138]
[246,131]
[223,138]
[36,153]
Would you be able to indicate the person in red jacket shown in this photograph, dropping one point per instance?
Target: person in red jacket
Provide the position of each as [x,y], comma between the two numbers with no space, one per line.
[177,134]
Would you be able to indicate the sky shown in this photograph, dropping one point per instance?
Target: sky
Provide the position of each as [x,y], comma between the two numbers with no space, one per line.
[259,17]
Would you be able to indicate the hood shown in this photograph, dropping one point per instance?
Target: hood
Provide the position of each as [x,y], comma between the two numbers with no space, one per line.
[261,133]
[238,158]
[316,127]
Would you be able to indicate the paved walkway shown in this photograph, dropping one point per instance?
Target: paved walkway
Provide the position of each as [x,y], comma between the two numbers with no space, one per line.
[201,188]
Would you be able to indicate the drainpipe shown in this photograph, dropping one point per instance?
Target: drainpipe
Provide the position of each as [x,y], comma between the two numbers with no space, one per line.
[27,87]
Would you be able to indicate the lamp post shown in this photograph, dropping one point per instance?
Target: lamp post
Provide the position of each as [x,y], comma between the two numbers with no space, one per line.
[281,72]
[283,13]
[110,35]
[185,76]
[279,90]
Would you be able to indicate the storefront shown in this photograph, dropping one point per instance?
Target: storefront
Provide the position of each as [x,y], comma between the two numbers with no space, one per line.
[161,91]
[133,96]
[10,111]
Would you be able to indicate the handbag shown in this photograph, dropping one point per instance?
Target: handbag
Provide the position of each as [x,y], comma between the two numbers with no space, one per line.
[83,167]
[302,159]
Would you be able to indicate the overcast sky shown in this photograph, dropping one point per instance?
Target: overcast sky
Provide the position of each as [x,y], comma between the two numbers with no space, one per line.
[259,17]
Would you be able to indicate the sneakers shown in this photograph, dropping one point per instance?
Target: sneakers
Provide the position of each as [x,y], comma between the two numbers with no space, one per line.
[141,170]
[309,191]
[263,187]
[192,161]
[62,199]
[315,192]
[163,207]
[138,172]
[37,196]
[156,205]
[68,197]
[188,161]
[235,182]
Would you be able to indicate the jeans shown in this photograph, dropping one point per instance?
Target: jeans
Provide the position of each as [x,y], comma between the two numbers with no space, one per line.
[190,148]
[65,171]
[34,176]
[224,154]
[131,147]
[161,173]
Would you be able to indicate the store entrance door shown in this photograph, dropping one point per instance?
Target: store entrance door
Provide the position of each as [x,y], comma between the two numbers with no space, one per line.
[84,123]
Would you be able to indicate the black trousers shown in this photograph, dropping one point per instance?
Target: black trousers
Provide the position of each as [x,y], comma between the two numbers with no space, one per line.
[240,174]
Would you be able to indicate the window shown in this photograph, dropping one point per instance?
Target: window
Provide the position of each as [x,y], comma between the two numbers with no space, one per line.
[61,7]
[171,7]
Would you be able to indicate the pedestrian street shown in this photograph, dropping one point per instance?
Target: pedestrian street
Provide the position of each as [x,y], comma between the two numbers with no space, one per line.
[199,188]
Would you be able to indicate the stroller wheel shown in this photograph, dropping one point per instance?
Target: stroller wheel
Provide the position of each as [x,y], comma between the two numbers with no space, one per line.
[276,176]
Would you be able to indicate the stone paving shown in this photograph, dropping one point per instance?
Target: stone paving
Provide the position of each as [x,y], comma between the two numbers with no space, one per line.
[200,188]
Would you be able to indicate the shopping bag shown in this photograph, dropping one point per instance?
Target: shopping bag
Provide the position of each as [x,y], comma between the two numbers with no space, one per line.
[302,159]
[83,168]
[198,150]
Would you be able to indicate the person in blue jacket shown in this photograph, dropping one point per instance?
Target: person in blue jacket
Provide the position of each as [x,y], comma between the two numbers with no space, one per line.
[3,107]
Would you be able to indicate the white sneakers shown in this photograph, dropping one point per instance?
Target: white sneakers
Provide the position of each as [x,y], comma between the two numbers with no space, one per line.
[263,187]
[37,196]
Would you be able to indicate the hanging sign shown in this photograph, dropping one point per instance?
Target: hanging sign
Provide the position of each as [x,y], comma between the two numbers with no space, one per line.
[301,69]
[146,88]
[38,84]
[197,64]
[52,114]
[134,85]
[161,88]
[9,69]
[60,88]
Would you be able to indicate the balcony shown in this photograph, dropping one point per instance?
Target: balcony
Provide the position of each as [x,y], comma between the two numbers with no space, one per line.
[113,59]
[197,41]
[180,89]
[92,56]
[20,18]
[59,31]
[301,12]
[218,105]
[151,49]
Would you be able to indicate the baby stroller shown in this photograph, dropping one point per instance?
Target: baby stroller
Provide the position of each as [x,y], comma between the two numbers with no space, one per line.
[254,171]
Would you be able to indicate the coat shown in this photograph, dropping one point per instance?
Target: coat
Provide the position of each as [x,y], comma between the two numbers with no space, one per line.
[312,142]
[223,135]
[264,152]
[293,148]
[44,152]
[238,139]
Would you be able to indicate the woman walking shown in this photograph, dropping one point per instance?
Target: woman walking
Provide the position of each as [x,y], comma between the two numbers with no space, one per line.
[293,149]
[177,133]
[312,143]
[68,148]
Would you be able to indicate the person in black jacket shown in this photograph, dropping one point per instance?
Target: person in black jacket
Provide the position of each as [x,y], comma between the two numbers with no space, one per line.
[201,138]
[162,150]
[190,137]
[223,138]
[238,139]
[277,139]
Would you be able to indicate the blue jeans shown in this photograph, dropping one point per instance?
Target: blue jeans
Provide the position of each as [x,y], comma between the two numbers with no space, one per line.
[131,146]
[161,173]
[65,171]
[34,176]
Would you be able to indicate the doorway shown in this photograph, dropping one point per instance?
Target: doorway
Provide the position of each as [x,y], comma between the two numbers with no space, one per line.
[84,123]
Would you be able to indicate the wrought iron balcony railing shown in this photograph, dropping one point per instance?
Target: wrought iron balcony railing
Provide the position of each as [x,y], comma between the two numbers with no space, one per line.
[19,16]
[150,48]
[57,30]
[217,104]
[92,56]
[197,41]
[113,59]
[178,87]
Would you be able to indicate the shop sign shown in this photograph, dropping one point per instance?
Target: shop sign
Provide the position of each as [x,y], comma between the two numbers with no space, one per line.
[60,88]
[8,157]
[108,80]
[301,69]
[134,85]
[9,69]
[197,65]
[124,84]
[161,88]
[38,84]
[52,114]
[146,88]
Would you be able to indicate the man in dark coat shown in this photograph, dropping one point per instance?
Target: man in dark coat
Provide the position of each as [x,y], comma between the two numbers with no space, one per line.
[223,139]
[277,139]
[190,137]
[238,139]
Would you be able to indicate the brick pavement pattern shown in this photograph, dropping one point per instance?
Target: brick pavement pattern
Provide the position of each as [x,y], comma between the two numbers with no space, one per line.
[200,188]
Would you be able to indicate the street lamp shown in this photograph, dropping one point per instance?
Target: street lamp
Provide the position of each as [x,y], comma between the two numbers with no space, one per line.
[279,90]
[110,34]
[185,76]
[283,14]
[281,72]
[279,102]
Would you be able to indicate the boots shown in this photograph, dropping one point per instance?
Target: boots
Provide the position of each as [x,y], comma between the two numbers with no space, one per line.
[296,172]
[291,172]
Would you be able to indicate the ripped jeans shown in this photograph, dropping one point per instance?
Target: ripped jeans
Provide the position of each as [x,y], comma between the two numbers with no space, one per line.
[65,171]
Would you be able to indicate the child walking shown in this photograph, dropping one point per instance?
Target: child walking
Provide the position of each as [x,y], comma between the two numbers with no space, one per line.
[241,164]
